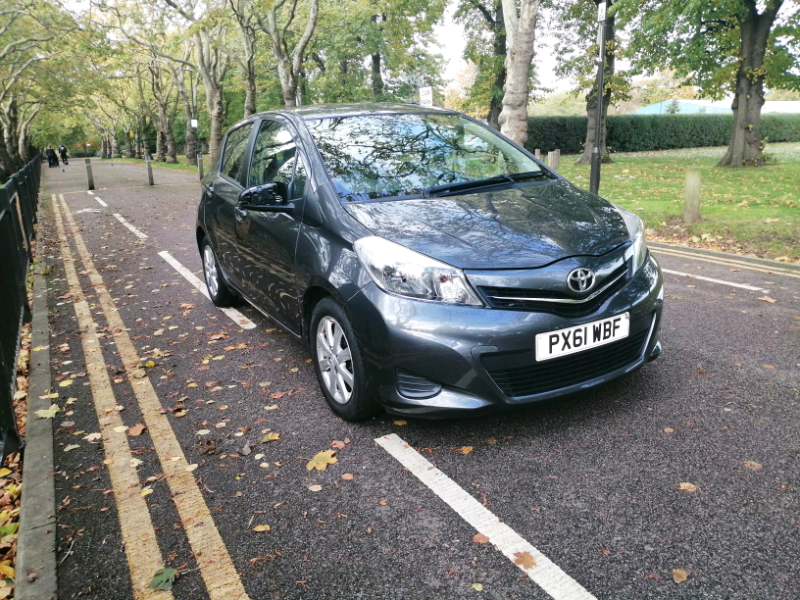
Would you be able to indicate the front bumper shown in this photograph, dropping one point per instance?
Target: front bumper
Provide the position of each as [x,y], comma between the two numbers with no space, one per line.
[483,357]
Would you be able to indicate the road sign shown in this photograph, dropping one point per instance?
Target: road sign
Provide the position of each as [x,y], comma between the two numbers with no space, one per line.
[601,12]
[426,96]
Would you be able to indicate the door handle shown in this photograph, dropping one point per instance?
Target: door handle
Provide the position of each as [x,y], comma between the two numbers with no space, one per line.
[210,189]
[240,213]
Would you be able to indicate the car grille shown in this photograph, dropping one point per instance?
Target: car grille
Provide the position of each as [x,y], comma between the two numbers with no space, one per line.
[555,302]
[518,373]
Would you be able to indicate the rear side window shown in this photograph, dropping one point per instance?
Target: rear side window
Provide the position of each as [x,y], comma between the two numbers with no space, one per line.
[234,151]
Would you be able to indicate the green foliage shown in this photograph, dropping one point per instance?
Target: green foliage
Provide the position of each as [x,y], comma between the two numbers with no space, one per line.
[636,133]
[565,104]
[163,579]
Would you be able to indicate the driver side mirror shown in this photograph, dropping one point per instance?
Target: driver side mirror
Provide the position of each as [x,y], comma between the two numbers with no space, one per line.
[266,195]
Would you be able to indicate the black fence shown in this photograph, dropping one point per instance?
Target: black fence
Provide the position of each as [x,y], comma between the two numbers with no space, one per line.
[19,199]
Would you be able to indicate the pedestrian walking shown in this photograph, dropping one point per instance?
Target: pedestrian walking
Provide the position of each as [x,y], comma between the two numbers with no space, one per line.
[62,150]
[52,159]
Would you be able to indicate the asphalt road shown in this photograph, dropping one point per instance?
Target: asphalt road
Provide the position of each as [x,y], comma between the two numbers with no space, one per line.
[691,464]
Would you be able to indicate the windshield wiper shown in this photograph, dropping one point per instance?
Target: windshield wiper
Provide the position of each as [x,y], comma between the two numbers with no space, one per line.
[449,189]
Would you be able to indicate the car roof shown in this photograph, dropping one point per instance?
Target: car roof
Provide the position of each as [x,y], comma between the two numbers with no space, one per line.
[320,111]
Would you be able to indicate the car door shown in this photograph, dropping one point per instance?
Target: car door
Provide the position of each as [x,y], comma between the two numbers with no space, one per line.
[222,191]
[267,241]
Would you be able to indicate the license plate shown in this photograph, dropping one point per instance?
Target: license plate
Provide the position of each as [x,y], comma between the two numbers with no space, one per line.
[582,337]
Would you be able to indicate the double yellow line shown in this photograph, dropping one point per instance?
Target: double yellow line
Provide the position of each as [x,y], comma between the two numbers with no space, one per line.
[141,546]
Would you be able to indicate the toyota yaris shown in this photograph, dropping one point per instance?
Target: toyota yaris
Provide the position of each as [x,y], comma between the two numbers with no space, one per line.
[433,266]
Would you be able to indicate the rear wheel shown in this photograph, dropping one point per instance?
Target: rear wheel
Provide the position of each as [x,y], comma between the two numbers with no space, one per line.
[218,290]
[338,363]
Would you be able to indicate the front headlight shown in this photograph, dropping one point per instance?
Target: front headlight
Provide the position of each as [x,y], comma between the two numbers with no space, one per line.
[638,249]
[401,271]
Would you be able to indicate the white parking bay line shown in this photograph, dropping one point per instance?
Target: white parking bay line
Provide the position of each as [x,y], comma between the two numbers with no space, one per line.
[542,571]
[712,280]
[100,202]
[135,231]
[234,314]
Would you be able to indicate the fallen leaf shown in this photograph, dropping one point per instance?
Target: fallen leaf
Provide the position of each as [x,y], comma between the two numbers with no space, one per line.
[347,476]
[465,450]
[146,491]
[400,422]
[49,413]
[137,430]
[66,382]
[321,460]
[687,487]
[752,465]
[135,462]
[271,407]
[163,579]
[669,430]
[274,436]
[524,560]
[260,528]
[769,367]
[315,488]
[479,538]
[337,444]
[383,501]
[477,587]
[202,432]
[71,447]
[768,299]
[679,575]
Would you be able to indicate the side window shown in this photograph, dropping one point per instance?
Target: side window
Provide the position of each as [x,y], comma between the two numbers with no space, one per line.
[234,151]
[273,155]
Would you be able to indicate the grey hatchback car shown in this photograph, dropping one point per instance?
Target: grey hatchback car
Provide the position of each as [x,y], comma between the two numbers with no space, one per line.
[434,267]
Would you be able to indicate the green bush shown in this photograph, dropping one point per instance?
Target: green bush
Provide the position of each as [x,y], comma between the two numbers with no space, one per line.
[637,133]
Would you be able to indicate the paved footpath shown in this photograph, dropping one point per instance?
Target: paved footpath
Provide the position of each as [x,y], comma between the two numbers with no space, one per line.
[692,464]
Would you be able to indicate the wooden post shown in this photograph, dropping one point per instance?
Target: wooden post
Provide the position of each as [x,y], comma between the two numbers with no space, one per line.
[557,158]
[538,154]
[89,178]
[148,161]
[200,165]
[691,206]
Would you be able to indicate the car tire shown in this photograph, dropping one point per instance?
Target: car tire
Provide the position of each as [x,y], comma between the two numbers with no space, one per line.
[338,363]
[219,291]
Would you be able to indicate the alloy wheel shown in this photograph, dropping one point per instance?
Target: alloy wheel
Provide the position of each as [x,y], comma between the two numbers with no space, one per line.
[335,360]
[210,268]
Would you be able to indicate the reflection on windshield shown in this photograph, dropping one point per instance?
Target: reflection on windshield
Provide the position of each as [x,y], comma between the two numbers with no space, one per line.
[383,156]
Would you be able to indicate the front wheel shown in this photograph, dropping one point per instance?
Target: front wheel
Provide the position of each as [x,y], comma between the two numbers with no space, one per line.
[338,362]
[218,290]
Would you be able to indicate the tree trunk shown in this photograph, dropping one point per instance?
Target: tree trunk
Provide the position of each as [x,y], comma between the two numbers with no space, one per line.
[161,146]
[250,90]
[216,112]
[190,139]
[377,78]
[169,139]
[591,103]
[129,151]
[114,143]
[520,29]
[746,145]
[499,52]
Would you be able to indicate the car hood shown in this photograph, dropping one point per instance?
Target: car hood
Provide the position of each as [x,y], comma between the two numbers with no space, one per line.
[517,228]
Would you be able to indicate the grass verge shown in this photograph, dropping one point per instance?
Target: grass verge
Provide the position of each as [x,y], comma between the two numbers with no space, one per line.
[751,211]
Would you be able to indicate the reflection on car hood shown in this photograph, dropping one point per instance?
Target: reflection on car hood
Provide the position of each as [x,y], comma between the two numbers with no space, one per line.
[518,228]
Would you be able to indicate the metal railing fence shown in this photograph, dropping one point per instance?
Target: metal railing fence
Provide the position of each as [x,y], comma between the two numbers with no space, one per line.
[19,199]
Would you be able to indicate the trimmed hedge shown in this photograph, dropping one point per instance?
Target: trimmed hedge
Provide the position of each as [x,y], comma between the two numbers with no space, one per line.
[637,133]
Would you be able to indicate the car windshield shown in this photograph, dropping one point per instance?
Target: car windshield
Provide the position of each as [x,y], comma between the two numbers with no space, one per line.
[399,155]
